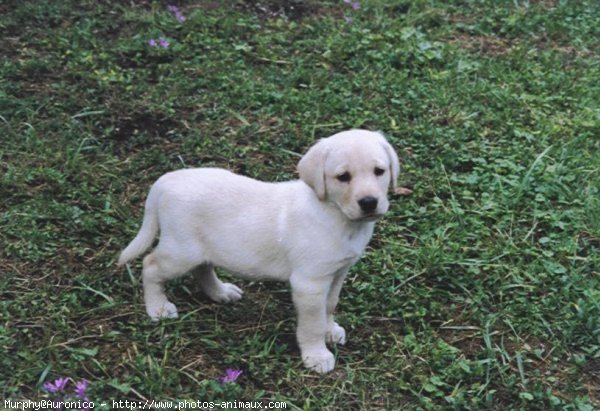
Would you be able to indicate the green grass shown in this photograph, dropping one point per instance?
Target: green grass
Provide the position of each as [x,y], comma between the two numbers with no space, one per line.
[481,290]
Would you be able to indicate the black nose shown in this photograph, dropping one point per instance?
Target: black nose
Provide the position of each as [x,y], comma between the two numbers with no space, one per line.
[368,204]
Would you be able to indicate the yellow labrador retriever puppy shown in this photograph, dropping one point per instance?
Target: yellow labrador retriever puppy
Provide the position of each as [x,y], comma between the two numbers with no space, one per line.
[307,232]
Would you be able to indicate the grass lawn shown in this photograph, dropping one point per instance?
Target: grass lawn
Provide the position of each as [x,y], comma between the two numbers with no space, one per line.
[479,291]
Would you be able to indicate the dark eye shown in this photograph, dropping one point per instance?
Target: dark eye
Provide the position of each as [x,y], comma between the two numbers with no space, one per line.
[344,177]
[379,171]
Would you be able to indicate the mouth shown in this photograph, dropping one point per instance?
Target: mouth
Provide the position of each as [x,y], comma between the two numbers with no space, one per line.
[368,218]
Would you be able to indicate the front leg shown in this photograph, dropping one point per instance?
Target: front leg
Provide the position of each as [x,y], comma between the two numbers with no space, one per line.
[310,300]
[335,333]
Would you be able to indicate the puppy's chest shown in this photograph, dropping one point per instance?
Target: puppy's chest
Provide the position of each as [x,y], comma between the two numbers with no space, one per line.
[352,245]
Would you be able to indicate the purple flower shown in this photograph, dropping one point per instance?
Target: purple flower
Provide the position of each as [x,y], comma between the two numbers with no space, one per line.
[178,14]
[56,386]
[230,375]
[80,388]
[355,5]
[164,43]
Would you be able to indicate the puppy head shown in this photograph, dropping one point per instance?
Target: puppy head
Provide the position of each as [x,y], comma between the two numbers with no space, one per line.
[353,170]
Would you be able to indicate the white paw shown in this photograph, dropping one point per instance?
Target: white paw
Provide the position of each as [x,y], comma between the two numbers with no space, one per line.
[228,293]
[321,361]
[162,310]
[336,335]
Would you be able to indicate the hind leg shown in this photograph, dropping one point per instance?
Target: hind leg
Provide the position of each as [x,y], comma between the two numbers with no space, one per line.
[158,268]
[214,288]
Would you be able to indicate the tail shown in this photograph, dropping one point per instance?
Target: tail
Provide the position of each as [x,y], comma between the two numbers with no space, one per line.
[144,238]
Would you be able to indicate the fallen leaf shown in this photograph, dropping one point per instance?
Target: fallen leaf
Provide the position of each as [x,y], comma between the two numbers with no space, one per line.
[403,191]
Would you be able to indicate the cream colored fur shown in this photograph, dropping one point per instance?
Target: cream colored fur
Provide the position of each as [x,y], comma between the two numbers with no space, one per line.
[307,232]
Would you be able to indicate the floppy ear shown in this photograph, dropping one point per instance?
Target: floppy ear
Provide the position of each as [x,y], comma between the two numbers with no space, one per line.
[312,168]
[393,158]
